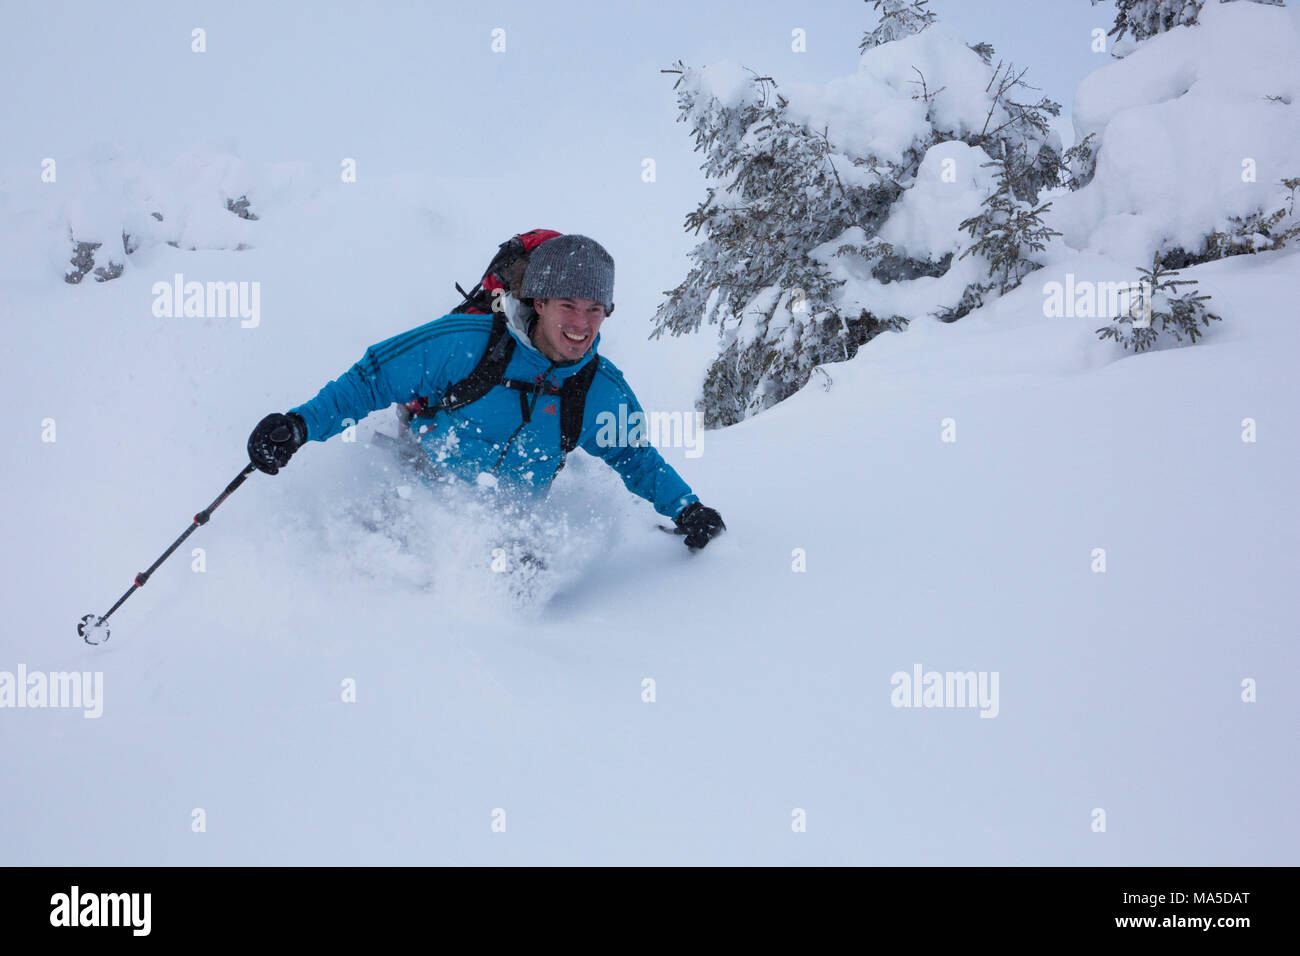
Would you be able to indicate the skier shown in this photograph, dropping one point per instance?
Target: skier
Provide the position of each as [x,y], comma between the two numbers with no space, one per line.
[500,399]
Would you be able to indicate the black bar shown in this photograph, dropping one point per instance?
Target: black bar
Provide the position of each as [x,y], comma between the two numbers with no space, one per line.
[978,906]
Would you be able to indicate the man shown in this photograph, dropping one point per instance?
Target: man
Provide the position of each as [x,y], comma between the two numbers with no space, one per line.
[501,399]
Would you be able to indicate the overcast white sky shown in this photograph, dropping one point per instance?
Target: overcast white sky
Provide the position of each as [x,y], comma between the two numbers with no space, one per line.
[563,118]
[416,83]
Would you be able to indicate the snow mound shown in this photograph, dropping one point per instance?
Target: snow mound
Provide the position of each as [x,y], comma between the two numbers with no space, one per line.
[199,199]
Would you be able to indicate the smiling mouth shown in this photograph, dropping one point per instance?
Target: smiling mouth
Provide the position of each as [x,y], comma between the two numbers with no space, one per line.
[575,338]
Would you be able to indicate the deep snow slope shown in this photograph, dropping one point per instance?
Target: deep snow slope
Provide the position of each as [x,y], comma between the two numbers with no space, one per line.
[222,690]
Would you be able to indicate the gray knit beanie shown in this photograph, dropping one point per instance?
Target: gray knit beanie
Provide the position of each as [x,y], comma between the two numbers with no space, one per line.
[570,267]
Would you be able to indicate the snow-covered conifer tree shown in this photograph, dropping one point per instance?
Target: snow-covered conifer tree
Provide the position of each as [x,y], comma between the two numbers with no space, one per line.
[800,186]
[780,189]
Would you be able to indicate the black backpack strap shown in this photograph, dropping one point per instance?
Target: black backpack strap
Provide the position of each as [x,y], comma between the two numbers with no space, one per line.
[485,376]
[573,402]
[525,389]
[572,394]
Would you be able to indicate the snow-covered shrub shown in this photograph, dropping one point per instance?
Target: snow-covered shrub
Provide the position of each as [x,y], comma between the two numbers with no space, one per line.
[1258,232]
[240,207]
[117,205]
[83,262]
[1160,312]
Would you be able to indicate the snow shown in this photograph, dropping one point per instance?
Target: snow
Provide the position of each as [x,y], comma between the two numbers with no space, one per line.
[729,82]
[859,114]
[879,108]
[922,296]
[953,74]
[950,185]
[223,690]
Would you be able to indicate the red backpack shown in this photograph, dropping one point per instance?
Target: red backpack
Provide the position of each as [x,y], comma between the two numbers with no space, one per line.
[505,273]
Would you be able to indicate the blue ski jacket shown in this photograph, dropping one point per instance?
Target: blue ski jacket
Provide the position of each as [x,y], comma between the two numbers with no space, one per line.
[490,435]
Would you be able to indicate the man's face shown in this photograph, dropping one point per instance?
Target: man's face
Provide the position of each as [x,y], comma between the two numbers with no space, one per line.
[566,327]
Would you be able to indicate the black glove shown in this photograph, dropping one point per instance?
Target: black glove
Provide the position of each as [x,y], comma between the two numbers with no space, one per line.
[274,441]
[699,524]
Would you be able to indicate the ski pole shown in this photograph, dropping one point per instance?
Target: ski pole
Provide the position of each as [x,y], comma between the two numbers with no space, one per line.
[93,625]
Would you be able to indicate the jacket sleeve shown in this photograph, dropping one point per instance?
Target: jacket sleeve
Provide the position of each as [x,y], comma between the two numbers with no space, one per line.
[395,370]
[638,463]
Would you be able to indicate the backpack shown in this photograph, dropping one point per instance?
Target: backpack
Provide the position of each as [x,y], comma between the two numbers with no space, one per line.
[505,273]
